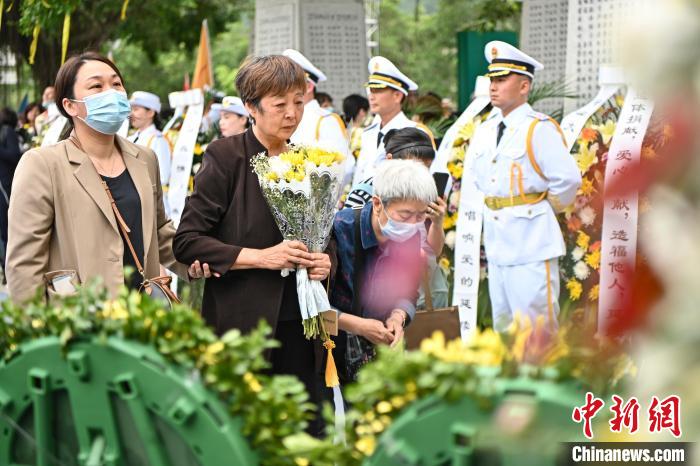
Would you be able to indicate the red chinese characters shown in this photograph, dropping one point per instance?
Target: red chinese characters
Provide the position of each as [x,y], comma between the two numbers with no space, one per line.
[662,414]
[624,416]
[665,414]
[587,412]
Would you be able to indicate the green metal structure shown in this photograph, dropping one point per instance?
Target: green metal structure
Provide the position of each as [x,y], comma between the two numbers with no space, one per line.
[471,61]
[521,424]
[107,401]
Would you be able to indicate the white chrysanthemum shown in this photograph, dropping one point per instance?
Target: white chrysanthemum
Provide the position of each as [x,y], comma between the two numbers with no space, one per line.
[581,270]
[577,253]
[279,167]
[450,239]
[587,215]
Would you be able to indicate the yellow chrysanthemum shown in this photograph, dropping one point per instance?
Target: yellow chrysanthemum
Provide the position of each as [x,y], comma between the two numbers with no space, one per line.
[593,259]
[583,240]
[212,350]
[444,263]
[587,187]
[465,133]
[449,221]
[586,157]
[252,382]
[198,149]
[606,130]
[593,294]
[295,158]
[299,461]
[575,289]
[366,445]
[455,169]
[397,401]
[384,407]
[377,426]
[37,323]
[521,329]
[457,154]
[115,310]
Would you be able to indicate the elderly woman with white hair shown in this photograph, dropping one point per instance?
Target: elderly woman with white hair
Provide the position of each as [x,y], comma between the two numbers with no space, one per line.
[380,262]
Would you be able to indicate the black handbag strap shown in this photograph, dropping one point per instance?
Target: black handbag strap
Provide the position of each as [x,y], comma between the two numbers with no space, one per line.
[358,273]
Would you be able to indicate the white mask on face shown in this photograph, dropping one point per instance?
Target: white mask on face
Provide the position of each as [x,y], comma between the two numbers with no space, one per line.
[398,231]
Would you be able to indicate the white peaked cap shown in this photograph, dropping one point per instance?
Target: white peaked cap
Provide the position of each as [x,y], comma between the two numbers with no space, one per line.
[145,99]
[233,104]
[504,59]
[383,73]
[313,73]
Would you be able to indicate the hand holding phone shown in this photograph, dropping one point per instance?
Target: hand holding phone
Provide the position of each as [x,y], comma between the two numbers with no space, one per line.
[440,182]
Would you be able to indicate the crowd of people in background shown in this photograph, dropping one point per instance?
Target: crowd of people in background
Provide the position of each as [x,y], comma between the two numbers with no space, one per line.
[23,129]
[58,224]
[92,206]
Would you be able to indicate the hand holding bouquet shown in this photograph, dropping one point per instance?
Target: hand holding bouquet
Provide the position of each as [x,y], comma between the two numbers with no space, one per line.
[302,187]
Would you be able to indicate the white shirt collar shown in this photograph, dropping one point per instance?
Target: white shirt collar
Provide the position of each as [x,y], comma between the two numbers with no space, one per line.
[399,121]
[312,105]
[148,130]
[517,115]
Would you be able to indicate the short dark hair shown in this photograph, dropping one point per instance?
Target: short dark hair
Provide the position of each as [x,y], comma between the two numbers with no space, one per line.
[409,143]
[268,76]
[352,105]
[8,117]
[31,106]
[67,74]
[323,97]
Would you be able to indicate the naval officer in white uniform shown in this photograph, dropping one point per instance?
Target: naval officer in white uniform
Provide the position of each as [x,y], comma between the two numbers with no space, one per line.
[318,126]
[387,87]
[521,163]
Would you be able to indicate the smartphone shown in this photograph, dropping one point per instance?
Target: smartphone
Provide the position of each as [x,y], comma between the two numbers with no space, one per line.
[440,182]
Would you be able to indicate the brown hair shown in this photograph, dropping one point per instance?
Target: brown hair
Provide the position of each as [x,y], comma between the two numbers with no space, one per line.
[67,74]
[269,75]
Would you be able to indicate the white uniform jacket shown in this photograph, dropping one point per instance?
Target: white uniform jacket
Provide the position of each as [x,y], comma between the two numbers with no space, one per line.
[154,140]
[524,233]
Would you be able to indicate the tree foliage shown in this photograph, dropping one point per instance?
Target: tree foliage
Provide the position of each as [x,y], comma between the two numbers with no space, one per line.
[424,45]
[156,27]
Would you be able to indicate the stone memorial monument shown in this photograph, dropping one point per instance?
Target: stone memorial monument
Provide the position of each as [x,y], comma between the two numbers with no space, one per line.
[544,36]
[330,33]
[573,38]
[595,38]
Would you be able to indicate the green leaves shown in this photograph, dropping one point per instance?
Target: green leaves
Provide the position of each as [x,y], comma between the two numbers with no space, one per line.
[272,407]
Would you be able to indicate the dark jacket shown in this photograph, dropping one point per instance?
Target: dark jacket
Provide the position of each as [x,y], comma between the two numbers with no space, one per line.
[225,213]
[9,156]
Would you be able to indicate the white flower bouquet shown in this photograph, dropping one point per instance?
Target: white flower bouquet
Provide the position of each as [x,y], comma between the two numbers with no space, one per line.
[302,187]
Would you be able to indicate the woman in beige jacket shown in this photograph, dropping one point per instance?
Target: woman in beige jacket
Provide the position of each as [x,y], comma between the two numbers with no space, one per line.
[60,215]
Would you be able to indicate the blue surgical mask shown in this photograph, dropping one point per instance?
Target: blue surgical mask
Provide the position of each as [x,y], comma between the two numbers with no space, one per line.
[398,231]
[106,111]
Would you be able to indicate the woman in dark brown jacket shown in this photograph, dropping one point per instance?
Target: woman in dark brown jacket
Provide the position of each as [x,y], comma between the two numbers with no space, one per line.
[228,224]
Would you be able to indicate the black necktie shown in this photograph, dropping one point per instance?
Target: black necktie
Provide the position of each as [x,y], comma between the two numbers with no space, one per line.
[380,136]
[501,129]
